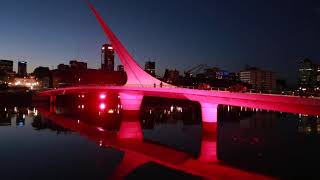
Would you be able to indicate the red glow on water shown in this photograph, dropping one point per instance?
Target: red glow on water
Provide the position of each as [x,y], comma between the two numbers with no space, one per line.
[102,106]
[208,151]
[138,152]
[130,130]
[102,96]
[100,129]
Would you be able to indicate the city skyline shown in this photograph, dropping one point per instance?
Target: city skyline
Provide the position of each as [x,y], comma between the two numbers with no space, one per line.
[185,34]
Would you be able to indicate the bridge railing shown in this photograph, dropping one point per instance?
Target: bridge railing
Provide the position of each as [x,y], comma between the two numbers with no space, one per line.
[223,89]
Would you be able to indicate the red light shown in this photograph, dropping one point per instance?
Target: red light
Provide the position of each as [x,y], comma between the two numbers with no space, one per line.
[102,106]
[103,96]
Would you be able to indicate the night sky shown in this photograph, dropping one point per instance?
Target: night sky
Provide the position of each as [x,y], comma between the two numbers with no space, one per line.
[271,34]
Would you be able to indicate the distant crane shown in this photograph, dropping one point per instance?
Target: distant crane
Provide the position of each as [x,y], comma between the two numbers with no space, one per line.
[194,70]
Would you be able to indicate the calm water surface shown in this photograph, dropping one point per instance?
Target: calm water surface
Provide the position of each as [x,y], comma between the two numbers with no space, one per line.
[34,147]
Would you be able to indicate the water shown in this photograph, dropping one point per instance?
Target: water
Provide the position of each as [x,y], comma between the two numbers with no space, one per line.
[279,144]
[73,143]
[33,147]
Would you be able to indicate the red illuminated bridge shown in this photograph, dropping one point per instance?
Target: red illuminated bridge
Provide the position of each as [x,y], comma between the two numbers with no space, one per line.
[140,84]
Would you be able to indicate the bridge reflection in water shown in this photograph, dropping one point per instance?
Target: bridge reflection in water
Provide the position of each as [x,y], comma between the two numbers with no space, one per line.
[126,133]
[130,139]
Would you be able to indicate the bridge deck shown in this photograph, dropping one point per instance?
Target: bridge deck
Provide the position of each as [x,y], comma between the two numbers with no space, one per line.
[282,103]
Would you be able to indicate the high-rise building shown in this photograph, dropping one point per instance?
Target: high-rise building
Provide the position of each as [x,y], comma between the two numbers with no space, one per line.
[22,68]
[259,79]
[308,74]
[107,57]
[120,68]
[150,67]
[6,65]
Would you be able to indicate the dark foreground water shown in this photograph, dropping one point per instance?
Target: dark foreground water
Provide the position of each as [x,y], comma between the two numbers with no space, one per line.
[277,144]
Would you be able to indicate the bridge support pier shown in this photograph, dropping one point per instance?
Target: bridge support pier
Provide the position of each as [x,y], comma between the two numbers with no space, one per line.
[52,104]
[209,112]
[130,124]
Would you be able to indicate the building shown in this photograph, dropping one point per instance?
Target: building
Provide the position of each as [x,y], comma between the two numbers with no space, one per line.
[308,75]
[6,65]
[258,79]
[120,68]
[62,78]
[107,57]
[211,73]
[63,67]
[171,76]
[22,68]
[150,68]
[78,65]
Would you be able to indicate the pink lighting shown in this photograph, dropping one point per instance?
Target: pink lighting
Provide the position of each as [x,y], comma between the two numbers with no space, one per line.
[208,152]
[102,96]
[131,102]
[209,112]
[130,125]
[130,130]
[137,152]
[209,116]
[136,75]
[102,106]
[100,129]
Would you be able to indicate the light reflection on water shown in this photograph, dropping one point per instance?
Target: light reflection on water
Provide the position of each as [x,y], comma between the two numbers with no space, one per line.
[33,147]
[278,144]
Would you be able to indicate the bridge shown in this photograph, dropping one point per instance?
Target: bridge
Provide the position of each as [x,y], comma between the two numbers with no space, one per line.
[140,84]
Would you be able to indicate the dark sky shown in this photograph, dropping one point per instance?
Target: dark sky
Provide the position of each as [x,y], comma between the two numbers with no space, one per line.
[272,34]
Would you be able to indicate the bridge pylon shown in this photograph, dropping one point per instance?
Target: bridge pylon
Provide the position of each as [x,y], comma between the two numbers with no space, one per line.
[136,76]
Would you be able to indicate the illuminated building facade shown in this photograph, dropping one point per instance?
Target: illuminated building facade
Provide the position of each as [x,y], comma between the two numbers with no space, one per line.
[107,57]
[258,78]
[22,68]
[308,75]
